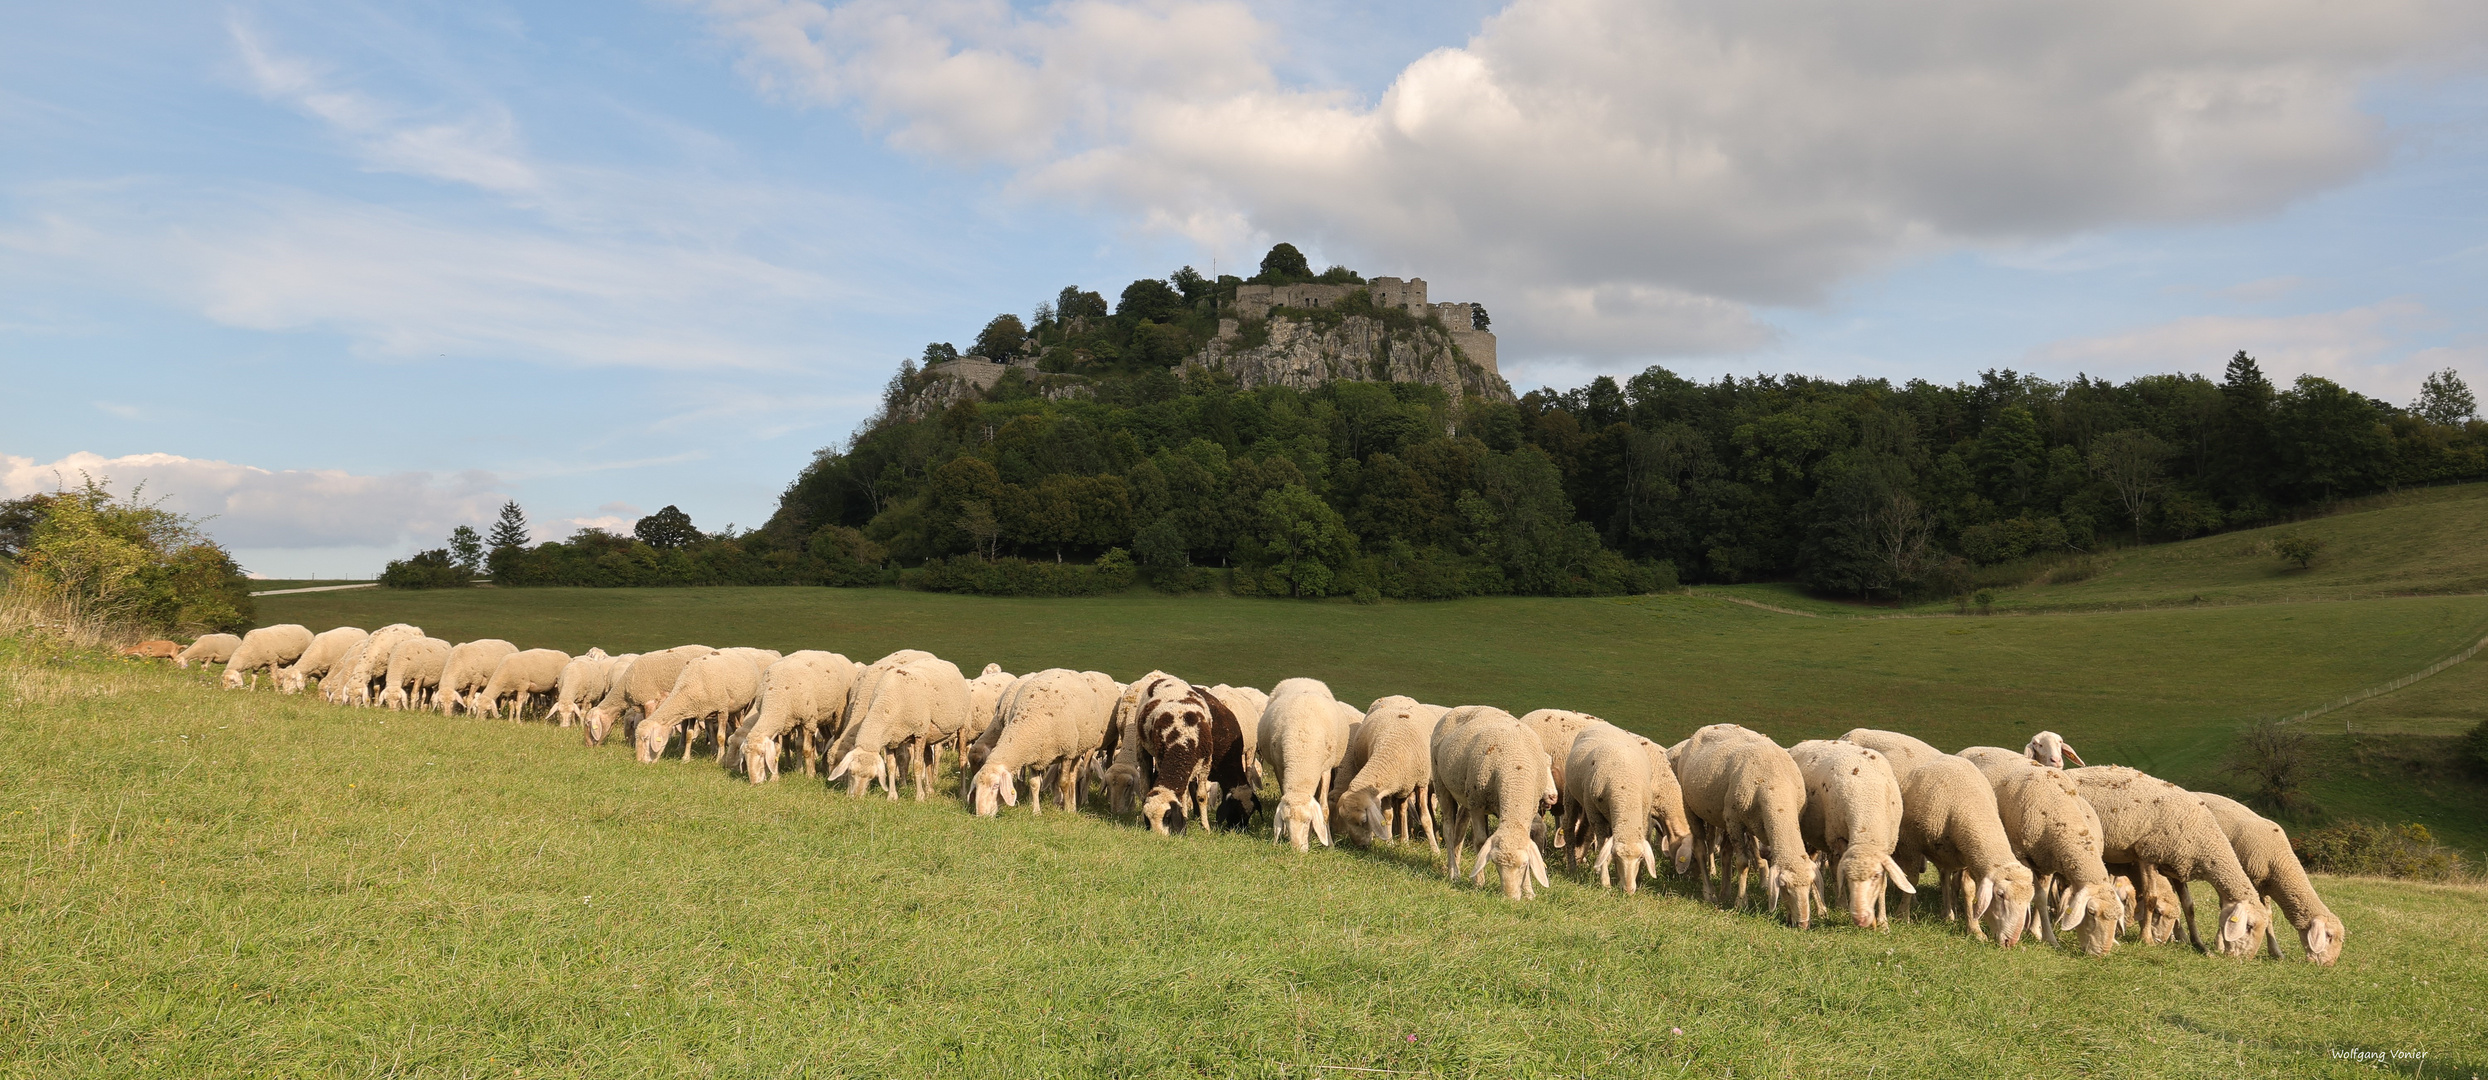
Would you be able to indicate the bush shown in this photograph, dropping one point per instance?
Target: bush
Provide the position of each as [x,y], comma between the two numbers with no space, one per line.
[2474,747]
[2298,549]
[2277,758]
[130,562]
[1113,572]
[434,569]
[1180,580]
[2356,847]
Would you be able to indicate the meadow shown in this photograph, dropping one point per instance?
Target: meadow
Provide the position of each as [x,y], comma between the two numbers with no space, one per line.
[218,884]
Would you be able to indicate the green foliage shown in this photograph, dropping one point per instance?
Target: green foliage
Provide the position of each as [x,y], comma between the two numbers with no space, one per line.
[1002,338]
[466,548]
[1113,572]
[2298,548]
[1150,299]
[2277,759]
[2443,399]
[434,569]
[1305,542]
[831,555]
[511,530]
[1283,265]
[131,561]
[666,529]
[2377,850]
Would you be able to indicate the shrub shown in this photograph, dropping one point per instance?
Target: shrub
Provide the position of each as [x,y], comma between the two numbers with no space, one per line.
[2357,847]
[2474,747]
[2277,759]
[2298,549]
[129,561]
[1113,572]
[1986,600]
[434,569]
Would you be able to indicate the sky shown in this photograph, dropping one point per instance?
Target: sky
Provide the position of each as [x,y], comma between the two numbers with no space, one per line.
[337,277]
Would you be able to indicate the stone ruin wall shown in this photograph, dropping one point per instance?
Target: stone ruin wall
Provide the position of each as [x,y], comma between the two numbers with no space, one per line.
[1300,355]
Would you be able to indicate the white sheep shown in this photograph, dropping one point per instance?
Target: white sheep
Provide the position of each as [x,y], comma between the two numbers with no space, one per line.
[806,693]
[640,685]
[1556,729]
[414,671]
[719,685]
[1487,764]
[913,708]
[2057,834]
[373,664]
[2050,749]
[208,649]
[2156,824]
[468,670]
[983,744]
[333,684]
[268,648]
[1050,722]
[584,681]
[2263,851]
[1304,735]
[1744,795]
[1390,762]
[326,649]
[1620,784]
[984,698]
[519,678]
[1853,816]
[1949,818]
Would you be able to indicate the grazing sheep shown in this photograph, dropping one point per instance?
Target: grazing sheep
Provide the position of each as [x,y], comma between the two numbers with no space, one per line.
[984,698]
[333,684]
[584,681]
[1304,736]
[641,685]
[414,670]
[1745,796]
[806,692]
[2263,852]
[208,649]
[519,678]
[157,649]
[373,664]
[2057,835]
[1853,816]
[913,708]
[2153,823]
[1195,749]
[1621,784]
[326,649]
[1486,763]
[1391,760]
[1050,721]
[2050,749]
[983,744]
[469,670]
[1247,704]
[2149,902]
[1121,767]
[718,685]
[1949,818]
[268,649]
[1556,729]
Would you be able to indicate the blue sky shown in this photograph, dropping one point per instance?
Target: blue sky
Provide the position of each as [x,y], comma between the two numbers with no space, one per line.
[341,276]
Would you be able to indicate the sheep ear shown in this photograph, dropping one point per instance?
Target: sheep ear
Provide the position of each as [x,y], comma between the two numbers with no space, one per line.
[1321,822]
[1485,853]
[2318,939]
[1650,859]
[1986,896]
[1010,791]
[2077,907]
[1900,878]
[834,774]
[1537,866]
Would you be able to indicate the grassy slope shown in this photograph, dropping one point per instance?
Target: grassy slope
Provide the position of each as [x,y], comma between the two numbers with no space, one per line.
[2161,690]
[231,884]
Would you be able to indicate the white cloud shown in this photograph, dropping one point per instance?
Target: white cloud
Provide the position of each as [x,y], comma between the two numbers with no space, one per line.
[481,149]
[2369,349]
[251,507]
[1690,154]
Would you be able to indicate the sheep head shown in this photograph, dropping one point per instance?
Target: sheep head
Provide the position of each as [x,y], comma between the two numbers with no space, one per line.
[2322,936]
[860,768]
[649,741]
[2004,896]
[1791,885]
[2049,748]
[233,678]
[1517,859]
[594,724]
[993,784]
[2096,913]
[760,757]
[1863,883]
[1122,786]
[1165,811]
[1360,816]
[2242,926]
[1302,822]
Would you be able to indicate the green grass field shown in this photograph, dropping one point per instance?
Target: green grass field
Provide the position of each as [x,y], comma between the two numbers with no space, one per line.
[216,884]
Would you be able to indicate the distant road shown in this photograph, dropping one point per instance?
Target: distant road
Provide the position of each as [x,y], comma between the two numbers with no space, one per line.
[318,588]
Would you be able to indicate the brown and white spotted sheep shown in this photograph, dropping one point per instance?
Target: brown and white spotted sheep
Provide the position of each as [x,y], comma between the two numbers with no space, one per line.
[1193,741]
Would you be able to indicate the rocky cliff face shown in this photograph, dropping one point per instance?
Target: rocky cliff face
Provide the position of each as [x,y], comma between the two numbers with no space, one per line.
[1306,354]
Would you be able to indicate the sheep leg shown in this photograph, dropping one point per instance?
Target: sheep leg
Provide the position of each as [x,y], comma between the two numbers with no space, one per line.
[1036,790]
[1425,809]
[2185,904]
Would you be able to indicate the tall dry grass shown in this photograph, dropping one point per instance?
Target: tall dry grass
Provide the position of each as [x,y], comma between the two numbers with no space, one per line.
[28,608]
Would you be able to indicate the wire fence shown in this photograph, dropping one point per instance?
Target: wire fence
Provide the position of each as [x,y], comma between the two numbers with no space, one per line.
[2356,696]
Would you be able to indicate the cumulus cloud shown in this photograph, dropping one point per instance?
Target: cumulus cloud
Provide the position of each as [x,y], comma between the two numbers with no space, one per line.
[1634,171]
[2369,349]
[251,507]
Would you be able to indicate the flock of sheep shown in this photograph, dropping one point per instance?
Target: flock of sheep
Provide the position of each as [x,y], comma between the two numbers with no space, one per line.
[2019,842]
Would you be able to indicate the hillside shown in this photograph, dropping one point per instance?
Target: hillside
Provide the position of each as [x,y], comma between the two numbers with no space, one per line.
[216,883]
